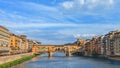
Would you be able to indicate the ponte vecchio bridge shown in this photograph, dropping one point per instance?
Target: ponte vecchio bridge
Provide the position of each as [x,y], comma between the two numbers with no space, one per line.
[51,49]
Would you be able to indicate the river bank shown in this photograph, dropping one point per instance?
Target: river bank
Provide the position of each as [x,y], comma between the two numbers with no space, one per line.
[8,61]
[114,58]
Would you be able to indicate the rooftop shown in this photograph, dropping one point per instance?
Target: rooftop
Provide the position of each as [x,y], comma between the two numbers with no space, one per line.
[3,28]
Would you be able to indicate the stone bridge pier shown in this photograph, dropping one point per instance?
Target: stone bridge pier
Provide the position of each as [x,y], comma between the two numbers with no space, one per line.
[50,54]
[68,54]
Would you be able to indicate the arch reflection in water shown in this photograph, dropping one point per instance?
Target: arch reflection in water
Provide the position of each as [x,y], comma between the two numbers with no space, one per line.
[57,54]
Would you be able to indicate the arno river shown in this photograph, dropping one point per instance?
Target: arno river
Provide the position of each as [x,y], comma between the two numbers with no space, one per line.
[60,61]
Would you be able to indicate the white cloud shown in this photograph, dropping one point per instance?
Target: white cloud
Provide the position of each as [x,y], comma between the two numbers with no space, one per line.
[82,2]
[38,7]
[98,8]
[43,14]
[90,29]
[37,25]
[84,35]
[111,1]
[51,42]
[68,4]
[87,4]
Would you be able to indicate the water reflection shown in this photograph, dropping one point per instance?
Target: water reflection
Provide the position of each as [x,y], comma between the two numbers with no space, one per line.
[68,62]
[55,54]
[51,58]
[34,59]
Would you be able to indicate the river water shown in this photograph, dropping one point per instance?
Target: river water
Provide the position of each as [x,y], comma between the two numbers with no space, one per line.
[60,61]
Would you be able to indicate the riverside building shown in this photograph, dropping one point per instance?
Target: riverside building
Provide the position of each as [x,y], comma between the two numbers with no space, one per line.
[4,40]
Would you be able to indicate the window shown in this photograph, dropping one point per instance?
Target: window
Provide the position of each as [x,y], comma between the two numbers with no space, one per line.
[11,43]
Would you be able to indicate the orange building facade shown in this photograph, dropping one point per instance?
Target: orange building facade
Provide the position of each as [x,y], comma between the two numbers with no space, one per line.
[18,44]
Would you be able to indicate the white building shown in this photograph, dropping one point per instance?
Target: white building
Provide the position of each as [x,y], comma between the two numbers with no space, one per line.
[4,40]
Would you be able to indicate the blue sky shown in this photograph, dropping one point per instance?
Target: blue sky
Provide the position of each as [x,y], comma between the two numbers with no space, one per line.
[60,21]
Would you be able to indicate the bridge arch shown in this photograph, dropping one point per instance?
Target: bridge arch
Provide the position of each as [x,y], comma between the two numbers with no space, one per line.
[68,50]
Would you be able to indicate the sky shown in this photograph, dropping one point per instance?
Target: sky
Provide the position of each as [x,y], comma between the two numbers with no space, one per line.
[60,21]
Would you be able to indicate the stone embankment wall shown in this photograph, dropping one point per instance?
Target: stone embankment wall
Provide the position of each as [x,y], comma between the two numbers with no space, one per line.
[114,58]
[4,59]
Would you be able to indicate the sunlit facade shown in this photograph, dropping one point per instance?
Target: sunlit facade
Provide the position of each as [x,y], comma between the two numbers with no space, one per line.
[116,47]
[18,44]
[4,40]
